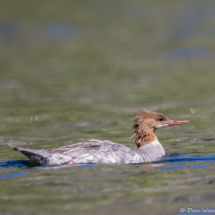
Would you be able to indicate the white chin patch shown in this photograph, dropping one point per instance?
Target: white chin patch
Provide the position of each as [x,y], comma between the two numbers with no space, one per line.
[162,126]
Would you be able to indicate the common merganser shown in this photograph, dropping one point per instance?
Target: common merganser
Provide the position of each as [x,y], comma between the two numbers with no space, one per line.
[98,151]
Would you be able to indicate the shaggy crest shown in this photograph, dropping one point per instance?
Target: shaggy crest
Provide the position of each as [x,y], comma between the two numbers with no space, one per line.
[145,124]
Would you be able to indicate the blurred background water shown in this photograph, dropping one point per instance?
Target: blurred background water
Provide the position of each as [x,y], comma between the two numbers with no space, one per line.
[71,71]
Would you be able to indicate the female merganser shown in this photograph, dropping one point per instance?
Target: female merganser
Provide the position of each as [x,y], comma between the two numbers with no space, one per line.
[97,151]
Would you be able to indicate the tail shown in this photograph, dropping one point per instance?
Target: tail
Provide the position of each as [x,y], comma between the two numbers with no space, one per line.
[38,156]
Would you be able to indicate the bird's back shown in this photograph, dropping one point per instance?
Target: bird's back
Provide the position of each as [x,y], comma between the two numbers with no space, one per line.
[97,151]
[94,151]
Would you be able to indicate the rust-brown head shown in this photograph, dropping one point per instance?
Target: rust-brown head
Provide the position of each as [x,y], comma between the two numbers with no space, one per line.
[145,124]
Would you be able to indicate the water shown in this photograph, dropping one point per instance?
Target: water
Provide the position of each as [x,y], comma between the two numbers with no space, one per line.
[74,71]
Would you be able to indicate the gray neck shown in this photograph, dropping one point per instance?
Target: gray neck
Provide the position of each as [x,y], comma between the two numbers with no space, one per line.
[151,151]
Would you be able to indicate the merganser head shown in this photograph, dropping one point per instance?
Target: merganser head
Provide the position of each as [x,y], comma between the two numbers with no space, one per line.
[145,124]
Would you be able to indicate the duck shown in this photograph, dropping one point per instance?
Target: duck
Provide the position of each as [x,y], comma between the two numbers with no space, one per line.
[149,149]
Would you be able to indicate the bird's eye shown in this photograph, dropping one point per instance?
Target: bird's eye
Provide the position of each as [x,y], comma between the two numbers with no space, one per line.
[160,119]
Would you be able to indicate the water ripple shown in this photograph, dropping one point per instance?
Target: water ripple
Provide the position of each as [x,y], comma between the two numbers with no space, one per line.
[17,164]
[182,158]
[14,175]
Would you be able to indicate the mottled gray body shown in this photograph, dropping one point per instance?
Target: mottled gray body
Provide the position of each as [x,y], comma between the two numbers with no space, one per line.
[95,151]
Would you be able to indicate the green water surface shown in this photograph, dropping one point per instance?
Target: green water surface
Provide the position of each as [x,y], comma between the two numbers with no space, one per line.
[71,71]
